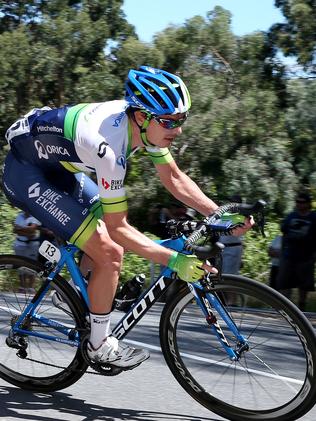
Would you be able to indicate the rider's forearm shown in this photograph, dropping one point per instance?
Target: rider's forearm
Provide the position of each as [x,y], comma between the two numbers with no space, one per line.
[187,191]
[133,240]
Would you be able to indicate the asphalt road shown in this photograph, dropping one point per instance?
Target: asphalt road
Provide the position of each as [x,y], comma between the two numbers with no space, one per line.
[148,393]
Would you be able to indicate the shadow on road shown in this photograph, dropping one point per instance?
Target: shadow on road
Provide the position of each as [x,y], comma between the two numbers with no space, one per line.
[22,405]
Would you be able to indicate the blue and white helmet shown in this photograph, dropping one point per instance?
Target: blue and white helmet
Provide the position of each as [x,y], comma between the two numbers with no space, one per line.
[156,91]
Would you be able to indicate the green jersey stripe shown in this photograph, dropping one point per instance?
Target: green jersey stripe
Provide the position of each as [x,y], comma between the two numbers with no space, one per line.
[84,232]
[158,158]
[96,209]
[70,167]
[114,205]
[71,120]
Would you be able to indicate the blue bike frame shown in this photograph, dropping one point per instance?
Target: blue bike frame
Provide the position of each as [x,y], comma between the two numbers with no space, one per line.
[206,302]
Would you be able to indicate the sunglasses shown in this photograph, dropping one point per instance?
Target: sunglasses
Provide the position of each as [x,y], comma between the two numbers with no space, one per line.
[167,123]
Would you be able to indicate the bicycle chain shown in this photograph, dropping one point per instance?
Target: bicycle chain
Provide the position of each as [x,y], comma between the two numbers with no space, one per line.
[101,370]
[58,366]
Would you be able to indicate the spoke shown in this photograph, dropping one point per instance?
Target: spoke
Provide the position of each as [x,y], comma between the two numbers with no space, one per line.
[10,311]
[261,372]
[275,374]
[261,386]
[9,305]
[255,328]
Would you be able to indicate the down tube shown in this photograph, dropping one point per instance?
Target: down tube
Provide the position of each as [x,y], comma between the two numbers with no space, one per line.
[150,296]
[144,303]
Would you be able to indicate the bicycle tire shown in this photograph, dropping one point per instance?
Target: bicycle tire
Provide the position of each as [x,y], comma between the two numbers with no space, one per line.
[282,355]
[55,367]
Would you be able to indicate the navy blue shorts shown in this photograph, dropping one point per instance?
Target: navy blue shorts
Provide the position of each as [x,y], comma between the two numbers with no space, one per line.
[65,202]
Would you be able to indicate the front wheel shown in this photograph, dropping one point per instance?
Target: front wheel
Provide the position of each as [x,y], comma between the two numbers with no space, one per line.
[275,379]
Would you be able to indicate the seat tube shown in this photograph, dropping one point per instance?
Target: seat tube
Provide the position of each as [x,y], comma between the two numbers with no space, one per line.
[76,275]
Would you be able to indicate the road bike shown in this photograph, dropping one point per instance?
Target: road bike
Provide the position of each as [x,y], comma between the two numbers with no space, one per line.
[239,348]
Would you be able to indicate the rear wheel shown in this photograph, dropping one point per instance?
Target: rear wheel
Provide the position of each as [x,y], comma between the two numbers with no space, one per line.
[31,362]
[274,380]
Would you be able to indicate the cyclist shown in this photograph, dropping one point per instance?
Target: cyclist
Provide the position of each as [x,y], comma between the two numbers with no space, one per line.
[51,149]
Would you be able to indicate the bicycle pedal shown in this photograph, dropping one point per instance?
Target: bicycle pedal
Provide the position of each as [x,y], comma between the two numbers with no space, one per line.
[110,369]
[106,369]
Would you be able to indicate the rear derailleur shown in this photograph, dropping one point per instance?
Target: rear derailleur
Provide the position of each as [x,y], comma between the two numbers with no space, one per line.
[18,341]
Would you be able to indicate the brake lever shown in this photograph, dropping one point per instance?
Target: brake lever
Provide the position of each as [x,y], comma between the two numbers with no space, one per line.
[258,211]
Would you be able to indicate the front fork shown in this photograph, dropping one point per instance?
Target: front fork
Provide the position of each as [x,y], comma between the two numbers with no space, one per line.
[207,302]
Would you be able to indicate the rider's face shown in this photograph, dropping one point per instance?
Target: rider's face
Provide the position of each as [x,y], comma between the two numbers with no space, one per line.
[157,132]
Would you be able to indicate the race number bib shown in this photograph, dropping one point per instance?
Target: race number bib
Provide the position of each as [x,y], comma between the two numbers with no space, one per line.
[49,251]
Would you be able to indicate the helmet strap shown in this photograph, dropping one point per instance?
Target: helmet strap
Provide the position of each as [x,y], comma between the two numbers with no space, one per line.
[143,130]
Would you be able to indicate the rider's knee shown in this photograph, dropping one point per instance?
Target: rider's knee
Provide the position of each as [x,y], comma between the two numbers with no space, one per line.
[113,255]
[107,253]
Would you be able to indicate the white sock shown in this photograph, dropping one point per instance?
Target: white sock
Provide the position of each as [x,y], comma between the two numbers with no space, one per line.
[100,328]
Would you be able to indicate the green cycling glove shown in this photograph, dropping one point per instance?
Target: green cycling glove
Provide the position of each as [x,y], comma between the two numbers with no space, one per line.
[188,267]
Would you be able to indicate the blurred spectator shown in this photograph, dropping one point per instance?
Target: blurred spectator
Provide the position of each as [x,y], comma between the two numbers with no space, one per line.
[26,244]
[232,253]
[274,252]
[178,211]
[181,212]
[297,260]
[157,219]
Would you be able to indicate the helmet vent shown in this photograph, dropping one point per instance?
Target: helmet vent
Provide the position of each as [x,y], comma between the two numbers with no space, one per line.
[157,91]
[177,87]
[166,90]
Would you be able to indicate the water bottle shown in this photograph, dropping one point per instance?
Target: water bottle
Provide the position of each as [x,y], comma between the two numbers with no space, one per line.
[129,292]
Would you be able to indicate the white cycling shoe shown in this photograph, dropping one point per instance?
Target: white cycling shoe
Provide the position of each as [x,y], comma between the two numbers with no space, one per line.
[116,353]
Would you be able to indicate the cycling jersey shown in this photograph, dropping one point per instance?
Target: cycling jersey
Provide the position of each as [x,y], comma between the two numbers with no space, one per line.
[48,143]
[87,137]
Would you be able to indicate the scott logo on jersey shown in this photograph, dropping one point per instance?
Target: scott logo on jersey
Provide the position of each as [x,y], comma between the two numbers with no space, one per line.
[102,149]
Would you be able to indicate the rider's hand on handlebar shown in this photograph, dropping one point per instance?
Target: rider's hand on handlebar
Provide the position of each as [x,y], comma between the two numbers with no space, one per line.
[188,267]
[247,225]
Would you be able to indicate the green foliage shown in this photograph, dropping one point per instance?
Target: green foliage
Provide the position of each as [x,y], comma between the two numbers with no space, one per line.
[297,36]
[250,130]
[133,54]
[8,215]
[301,126]
[255,260]
[54,53]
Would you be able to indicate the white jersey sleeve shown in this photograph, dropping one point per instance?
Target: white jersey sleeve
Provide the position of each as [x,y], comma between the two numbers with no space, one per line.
[101,143]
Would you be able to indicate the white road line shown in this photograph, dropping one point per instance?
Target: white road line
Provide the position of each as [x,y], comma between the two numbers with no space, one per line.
[210,361]
[207,360]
